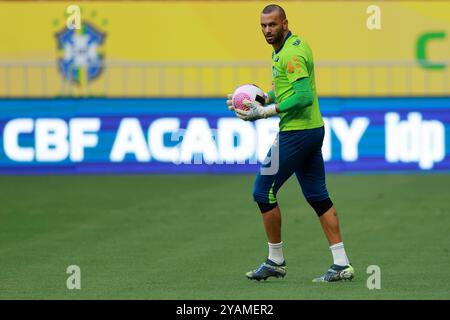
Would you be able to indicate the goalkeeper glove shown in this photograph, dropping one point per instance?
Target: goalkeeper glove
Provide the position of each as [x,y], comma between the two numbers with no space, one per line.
[230,100]
[256,111]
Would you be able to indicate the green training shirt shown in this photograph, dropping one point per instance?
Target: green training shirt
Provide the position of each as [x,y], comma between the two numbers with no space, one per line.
[291,62]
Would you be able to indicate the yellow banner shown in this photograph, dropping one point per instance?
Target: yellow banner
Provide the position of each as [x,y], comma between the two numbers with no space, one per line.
[208,48]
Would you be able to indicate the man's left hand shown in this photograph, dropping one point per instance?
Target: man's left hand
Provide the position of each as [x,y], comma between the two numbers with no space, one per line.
[256,111]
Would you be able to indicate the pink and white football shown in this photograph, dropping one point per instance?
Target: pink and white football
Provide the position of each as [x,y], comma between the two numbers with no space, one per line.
[247,92]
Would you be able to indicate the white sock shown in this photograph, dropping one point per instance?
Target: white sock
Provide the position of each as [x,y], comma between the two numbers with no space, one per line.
[276,252]
[339,255]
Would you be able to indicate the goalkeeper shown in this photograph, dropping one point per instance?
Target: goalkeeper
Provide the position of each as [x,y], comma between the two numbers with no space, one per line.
[299,146]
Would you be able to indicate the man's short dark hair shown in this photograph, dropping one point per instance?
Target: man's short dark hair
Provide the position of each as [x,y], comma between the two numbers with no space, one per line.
[274,7]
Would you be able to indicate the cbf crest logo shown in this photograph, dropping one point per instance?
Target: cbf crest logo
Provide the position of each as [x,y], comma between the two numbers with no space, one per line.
[81,50]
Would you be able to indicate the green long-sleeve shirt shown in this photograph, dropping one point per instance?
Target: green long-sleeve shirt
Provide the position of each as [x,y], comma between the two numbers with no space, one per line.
[294,85]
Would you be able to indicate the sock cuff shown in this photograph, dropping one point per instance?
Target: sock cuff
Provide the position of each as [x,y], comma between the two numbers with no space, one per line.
[276,245]
[337,246]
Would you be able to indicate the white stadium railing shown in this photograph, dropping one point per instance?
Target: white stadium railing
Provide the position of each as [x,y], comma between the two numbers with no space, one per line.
[210,78]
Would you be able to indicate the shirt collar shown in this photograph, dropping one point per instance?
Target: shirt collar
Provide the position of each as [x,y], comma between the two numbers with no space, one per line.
[285,39]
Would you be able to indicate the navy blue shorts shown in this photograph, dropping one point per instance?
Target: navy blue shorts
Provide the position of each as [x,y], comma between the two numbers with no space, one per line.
[299,152]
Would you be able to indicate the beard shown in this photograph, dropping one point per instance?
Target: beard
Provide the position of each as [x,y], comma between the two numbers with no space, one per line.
[275,38]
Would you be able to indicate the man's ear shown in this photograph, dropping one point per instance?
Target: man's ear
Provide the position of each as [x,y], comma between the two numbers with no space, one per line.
[285,25]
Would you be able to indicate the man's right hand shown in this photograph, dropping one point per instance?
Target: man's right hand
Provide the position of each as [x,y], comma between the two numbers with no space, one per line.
[267,99]
[230,102]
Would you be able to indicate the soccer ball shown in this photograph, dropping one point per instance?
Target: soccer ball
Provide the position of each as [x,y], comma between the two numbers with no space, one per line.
[249,92]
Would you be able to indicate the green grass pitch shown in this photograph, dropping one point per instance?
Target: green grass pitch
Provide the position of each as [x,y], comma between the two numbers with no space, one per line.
[194,237]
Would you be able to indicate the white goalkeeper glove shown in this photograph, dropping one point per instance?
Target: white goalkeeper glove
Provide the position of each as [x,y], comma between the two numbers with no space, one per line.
[256,111]
[230,102]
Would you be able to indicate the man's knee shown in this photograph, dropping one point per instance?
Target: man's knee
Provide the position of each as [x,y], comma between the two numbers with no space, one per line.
[266,207]
[263,193]
[321,206]
[261,197]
